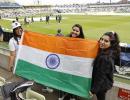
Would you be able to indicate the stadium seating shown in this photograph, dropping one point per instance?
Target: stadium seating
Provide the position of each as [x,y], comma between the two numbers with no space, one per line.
[124,66]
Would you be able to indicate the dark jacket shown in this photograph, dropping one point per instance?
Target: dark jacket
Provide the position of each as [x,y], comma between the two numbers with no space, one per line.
[103,68]
[1,31]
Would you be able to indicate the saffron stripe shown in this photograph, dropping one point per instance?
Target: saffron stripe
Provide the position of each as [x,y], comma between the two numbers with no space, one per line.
[61,45]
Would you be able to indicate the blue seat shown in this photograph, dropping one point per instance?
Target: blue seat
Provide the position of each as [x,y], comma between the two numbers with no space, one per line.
[125,55]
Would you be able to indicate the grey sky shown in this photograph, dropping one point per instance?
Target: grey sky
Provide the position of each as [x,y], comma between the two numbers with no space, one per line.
[53,2]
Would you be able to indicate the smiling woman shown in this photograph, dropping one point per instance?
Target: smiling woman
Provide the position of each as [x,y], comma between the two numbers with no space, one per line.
[104,64]
[14,43]
[104,42]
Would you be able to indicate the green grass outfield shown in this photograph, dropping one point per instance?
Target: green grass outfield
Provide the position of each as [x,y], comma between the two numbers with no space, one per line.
[93,26]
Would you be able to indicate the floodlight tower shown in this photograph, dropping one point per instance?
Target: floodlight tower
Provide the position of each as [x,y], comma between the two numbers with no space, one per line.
[38,2]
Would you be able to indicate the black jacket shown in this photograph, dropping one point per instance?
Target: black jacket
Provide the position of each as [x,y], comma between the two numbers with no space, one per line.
[102,76]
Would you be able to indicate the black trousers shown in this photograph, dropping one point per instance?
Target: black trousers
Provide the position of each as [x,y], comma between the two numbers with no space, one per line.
[101,95]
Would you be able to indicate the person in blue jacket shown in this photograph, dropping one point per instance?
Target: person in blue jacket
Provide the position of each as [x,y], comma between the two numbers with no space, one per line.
[1,34]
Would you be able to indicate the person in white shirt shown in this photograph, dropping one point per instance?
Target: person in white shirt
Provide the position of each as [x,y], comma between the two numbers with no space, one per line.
[14,43]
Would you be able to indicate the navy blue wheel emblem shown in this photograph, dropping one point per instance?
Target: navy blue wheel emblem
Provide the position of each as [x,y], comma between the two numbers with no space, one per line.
[52,61]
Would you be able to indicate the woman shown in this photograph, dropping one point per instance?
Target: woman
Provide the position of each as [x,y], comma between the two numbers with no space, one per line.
[77,32]
[1,34]
[103,65]
[14,43]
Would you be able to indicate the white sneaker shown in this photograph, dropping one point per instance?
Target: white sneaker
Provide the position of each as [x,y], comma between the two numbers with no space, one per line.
[47,89]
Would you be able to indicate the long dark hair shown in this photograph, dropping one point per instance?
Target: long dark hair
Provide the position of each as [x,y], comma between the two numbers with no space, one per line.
[114,41]
[15,36]
[81,35]
[113,50]
[115,47]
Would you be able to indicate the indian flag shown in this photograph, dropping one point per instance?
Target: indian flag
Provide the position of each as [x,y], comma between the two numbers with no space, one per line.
[62,63]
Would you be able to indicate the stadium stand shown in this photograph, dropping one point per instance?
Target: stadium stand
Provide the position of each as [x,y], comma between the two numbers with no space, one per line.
[9,8]
[81,8]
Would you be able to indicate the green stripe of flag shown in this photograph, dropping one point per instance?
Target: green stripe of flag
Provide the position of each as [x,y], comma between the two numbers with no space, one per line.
[66,82]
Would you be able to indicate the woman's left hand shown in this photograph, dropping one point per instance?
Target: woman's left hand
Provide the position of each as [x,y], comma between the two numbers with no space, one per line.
[90,93]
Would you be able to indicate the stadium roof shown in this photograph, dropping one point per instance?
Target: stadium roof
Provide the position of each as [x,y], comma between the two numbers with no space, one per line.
[12,1]
[9,4]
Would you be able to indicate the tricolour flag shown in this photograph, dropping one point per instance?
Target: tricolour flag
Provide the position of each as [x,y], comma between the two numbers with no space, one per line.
[59,62]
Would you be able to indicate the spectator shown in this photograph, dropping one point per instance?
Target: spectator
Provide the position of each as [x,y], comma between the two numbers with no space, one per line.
[1,34]
[103,65]
[41,19]
[59,18]
[59,33]
[77,32]
[47,19]
[26,20]
[56,18]
[14,43]
[32,19]
[17,19]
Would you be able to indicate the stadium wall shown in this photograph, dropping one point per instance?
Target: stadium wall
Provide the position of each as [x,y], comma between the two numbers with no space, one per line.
[98,13]
[107,13]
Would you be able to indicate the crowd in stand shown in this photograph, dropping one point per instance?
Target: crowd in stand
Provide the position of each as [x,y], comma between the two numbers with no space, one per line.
[75,8]
[78,8]
[9,13]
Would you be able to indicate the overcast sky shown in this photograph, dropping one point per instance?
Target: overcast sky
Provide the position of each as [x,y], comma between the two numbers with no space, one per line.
[53,2]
